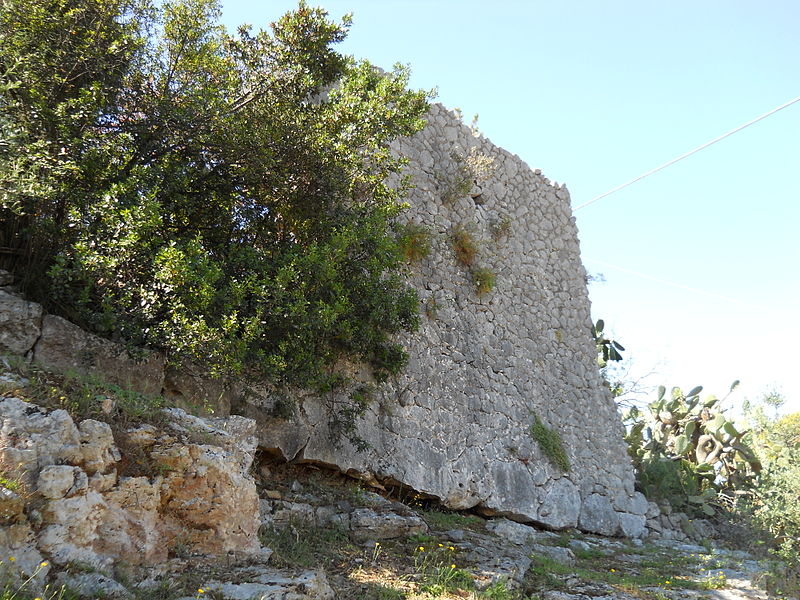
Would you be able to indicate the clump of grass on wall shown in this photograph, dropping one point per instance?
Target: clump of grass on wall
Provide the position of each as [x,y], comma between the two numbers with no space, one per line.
[464,245]
[550,443]
[484,280]
[414,242]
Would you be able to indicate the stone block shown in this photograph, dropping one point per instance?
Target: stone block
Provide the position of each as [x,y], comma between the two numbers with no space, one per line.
[65,347]
[598,516]
[20,324]
[632,526]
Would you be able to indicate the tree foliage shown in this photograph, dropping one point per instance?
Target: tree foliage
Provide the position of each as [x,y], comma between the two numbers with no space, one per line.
[219,197]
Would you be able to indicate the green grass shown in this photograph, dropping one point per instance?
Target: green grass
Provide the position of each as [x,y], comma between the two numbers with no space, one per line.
[550,443]
[444,520]
[300,545]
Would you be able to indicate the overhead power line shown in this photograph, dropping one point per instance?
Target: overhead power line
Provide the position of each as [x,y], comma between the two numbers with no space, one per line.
[679,286]
[686,155]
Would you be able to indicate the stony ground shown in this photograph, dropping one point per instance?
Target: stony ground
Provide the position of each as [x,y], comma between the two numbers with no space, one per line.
[332,539]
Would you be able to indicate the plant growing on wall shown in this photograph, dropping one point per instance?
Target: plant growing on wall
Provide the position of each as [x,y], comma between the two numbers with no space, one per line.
[465,245]
[550,444]
[483,279]
[607,349]
[500,226]
[414,241]
[468,171]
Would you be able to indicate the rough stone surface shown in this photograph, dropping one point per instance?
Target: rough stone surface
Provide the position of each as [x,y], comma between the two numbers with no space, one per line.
[20,324]
[516,533]
[94,585]
[202,497]
[455,424]
[598,516]
[366,524]
[480,366]
[191,389]
[633,526]
[66,347]
[273,585]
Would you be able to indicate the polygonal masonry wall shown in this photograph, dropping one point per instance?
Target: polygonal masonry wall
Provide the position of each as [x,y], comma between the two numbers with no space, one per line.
[457,423]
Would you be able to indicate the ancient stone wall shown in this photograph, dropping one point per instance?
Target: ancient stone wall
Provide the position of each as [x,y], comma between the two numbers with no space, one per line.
[485,364]
[457,423]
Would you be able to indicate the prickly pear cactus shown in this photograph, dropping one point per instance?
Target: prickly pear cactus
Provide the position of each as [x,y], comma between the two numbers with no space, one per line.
[686,450]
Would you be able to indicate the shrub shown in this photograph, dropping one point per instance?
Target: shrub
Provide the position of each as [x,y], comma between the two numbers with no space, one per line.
[474,168]
[500,226]
[414,242]
[218,197]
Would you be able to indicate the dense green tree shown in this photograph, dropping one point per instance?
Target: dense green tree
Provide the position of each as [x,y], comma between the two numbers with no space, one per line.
[219,197]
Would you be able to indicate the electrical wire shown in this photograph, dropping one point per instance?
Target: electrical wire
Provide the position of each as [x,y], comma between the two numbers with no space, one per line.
[680,286]
[687,154]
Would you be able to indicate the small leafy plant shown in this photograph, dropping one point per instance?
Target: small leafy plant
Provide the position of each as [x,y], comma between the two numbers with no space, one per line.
[500,226]
[550,443]
[414,242]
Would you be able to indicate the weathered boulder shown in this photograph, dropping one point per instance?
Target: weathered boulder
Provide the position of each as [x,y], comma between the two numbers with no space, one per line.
[633,526]
[201,496]
[20,324]
[598,516]
[366,524]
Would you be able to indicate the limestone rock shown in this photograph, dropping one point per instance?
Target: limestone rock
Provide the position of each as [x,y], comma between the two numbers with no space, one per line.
[632,525]
[59,481]
[66,347]
[456,423]
[94,585]
[598,516]
[366,524]
[204,497]
[97,446]
[32,438]
[516,533]
[11,507]
[20,324]
[561,505]
[563,556]
[273,585]
[189,388]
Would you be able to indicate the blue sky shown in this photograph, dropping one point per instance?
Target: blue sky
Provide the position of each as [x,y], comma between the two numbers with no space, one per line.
[597,93]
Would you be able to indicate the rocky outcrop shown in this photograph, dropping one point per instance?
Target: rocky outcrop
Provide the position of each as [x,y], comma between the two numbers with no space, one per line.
[64,347]
[80,505]
[20,324]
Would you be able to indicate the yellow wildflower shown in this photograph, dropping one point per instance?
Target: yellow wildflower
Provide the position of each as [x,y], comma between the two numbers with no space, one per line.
[201,591]
[422,548]
[44,564]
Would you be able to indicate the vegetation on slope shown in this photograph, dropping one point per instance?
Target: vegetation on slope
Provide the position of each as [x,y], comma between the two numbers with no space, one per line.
[219,197]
